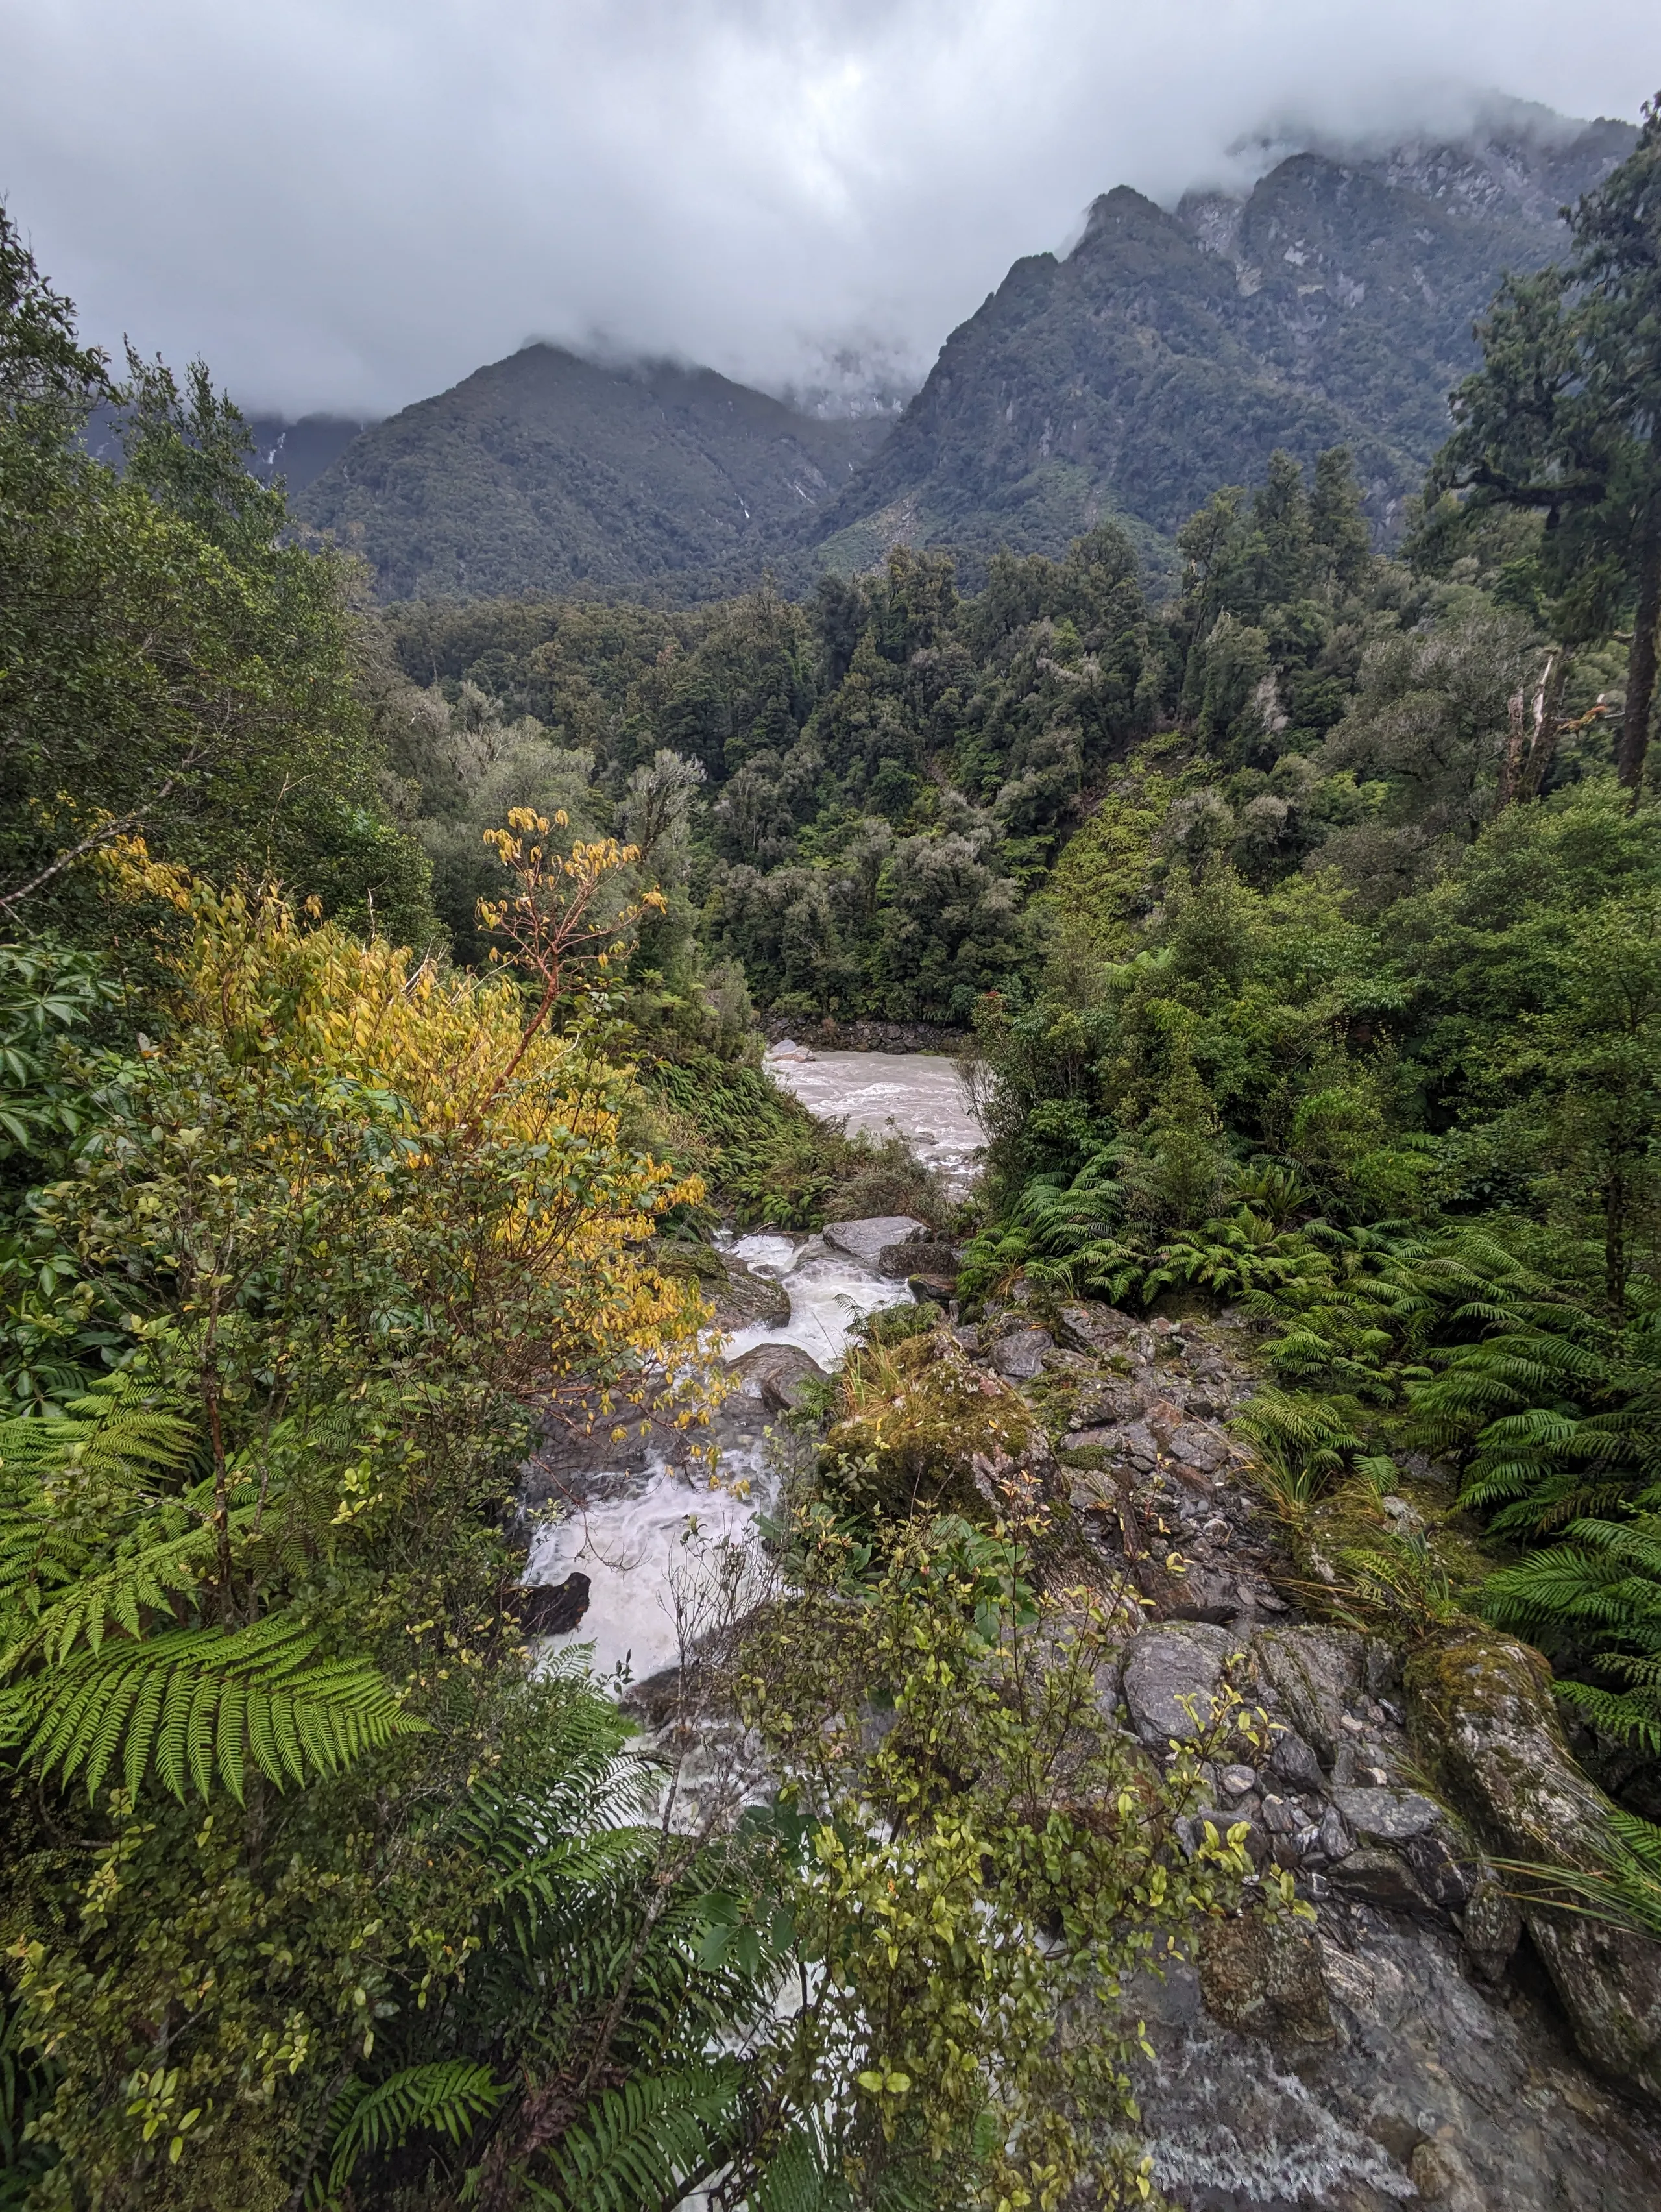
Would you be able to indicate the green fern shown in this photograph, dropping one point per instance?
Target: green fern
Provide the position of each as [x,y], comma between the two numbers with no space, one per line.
[640,2145]
[447,2098]
[195,1702]
[1599,1592]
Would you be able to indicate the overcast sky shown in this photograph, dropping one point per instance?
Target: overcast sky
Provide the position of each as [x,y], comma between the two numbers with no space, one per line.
[346,204]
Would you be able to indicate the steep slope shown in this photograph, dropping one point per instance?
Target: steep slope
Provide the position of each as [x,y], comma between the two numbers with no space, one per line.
[545,472]
[1170,352]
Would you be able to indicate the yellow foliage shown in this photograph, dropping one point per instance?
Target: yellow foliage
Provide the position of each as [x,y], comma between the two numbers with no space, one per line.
[457,1067]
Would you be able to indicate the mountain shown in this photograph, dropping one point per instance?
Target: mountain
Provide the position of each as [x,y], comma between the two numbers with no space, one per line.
[546,472]
[296,451]
[1171,351]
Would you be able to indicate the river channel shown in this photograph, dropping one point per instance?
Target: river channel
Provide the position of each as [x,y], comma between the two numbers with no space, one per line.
[635,1532]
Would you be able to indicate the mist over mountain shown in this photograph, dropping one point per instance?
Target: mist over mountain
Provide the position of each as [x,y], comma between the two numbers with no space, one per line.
[545,472]
[1170,351]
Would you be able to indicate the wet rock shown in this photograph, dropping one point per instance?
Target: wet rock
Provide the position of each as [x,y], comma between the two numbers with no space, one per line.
[1020,1356]
[1442,2175]
[1387,1816]
[1291,1760]
[866,1240]
[1483,1703]
[1439,1870]
[655,1701]
[932,1289]
[1191,1591]
[1491,1925]
[1307,1677]
[553,1608]
[775,1373]
[1262,1977]
[1333,1838]
[919,1255]
[746,1298]
[1380,1878]
[1422,2055]
[1171,1676]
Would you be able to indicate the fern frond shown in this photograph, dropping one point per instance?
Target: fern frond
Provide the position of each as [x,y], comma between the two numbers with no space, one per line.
[636,2145]
[448,2097]
[199,1700]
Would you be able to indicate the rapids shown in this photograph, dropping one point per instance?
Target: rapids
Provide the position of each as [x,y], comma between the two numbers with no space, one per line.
[633,1533]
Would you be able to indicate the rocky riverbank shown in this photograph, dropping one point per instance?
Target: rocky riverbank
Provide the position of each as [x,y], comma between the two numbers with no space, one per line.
[1424,2036]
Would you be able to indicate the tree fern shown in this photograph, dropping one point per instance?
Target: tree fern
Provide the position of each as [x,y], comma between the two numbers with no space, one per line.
[194,1703]
[1598,1593]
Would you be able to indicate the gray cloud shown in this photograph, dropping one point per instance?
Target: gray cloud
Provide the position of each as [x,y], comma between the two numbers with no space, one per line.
[349,204]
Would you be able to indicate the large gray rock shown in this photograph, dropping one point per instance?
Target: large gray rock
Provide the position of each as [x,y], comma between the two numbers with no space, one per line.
[866,1240]
[775,1373]
[933,1256]
[1484,1707]
[745,1298]
[1387,1816]
[1171,1676]
[1306,1677]
[1425,2082]
[1021,1357]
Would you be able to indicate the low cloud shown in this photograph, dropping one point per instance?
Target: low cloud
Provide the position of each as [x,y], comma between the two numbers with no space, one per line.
[346,206]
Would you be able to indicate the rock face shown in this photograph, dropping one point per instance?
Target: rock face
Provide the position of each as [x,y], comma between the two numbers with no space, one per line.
[1422,2040]
[1483,1703]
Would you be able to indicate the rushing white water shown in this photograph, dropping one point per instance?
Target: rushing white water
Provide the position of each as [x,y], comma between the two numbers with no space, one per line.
[634,1535]
[915,1095]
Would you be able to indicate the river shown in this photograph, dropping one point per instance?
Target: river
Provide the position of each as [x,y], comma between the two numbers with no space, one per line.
[635,1533]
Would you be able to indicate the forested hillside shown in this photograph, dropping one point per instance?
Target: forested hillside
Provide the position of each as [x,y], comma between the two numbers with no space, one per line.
[544,472]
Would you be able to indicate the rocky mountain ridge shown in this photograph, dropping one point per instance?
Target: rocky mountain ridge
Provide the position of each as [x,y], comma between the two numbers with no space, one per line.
[1172,350]
[549,473]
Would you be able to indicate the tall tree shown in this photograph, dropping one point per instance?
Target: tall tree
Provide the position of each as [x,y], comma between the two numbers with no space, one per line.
[1563,416]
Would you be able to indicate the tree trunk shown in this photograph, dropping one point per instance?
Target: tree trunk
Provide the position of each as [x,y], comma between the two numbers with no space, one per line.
[1641,664]
[1546,724]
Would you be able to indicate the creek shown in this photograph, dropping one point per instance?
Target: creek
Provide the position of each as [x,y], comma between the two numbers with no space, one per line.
[635,1531]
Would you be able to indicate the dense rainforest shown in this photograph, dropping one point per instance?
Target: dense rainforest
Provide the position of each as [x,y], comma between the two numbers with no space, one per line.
[378,1054]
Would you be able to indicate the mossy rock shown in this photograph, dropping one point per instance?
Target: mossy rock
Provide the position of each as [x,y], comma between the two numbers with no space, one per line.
[1483,1714]
[944,1436]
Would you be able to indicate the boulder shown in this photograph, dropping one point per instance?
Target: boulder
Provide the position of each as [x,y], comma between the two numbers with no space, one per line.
[1021,1357]
[553,1608]
[1262,1977]
[775,1373]
[1171,1676]
[866,1240]
[1380,1878]
[1387,1816]
[745,1298]
[1195,1444]
[1088,1327]
[919,1255]
[1482,1704]
[1306,1676]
